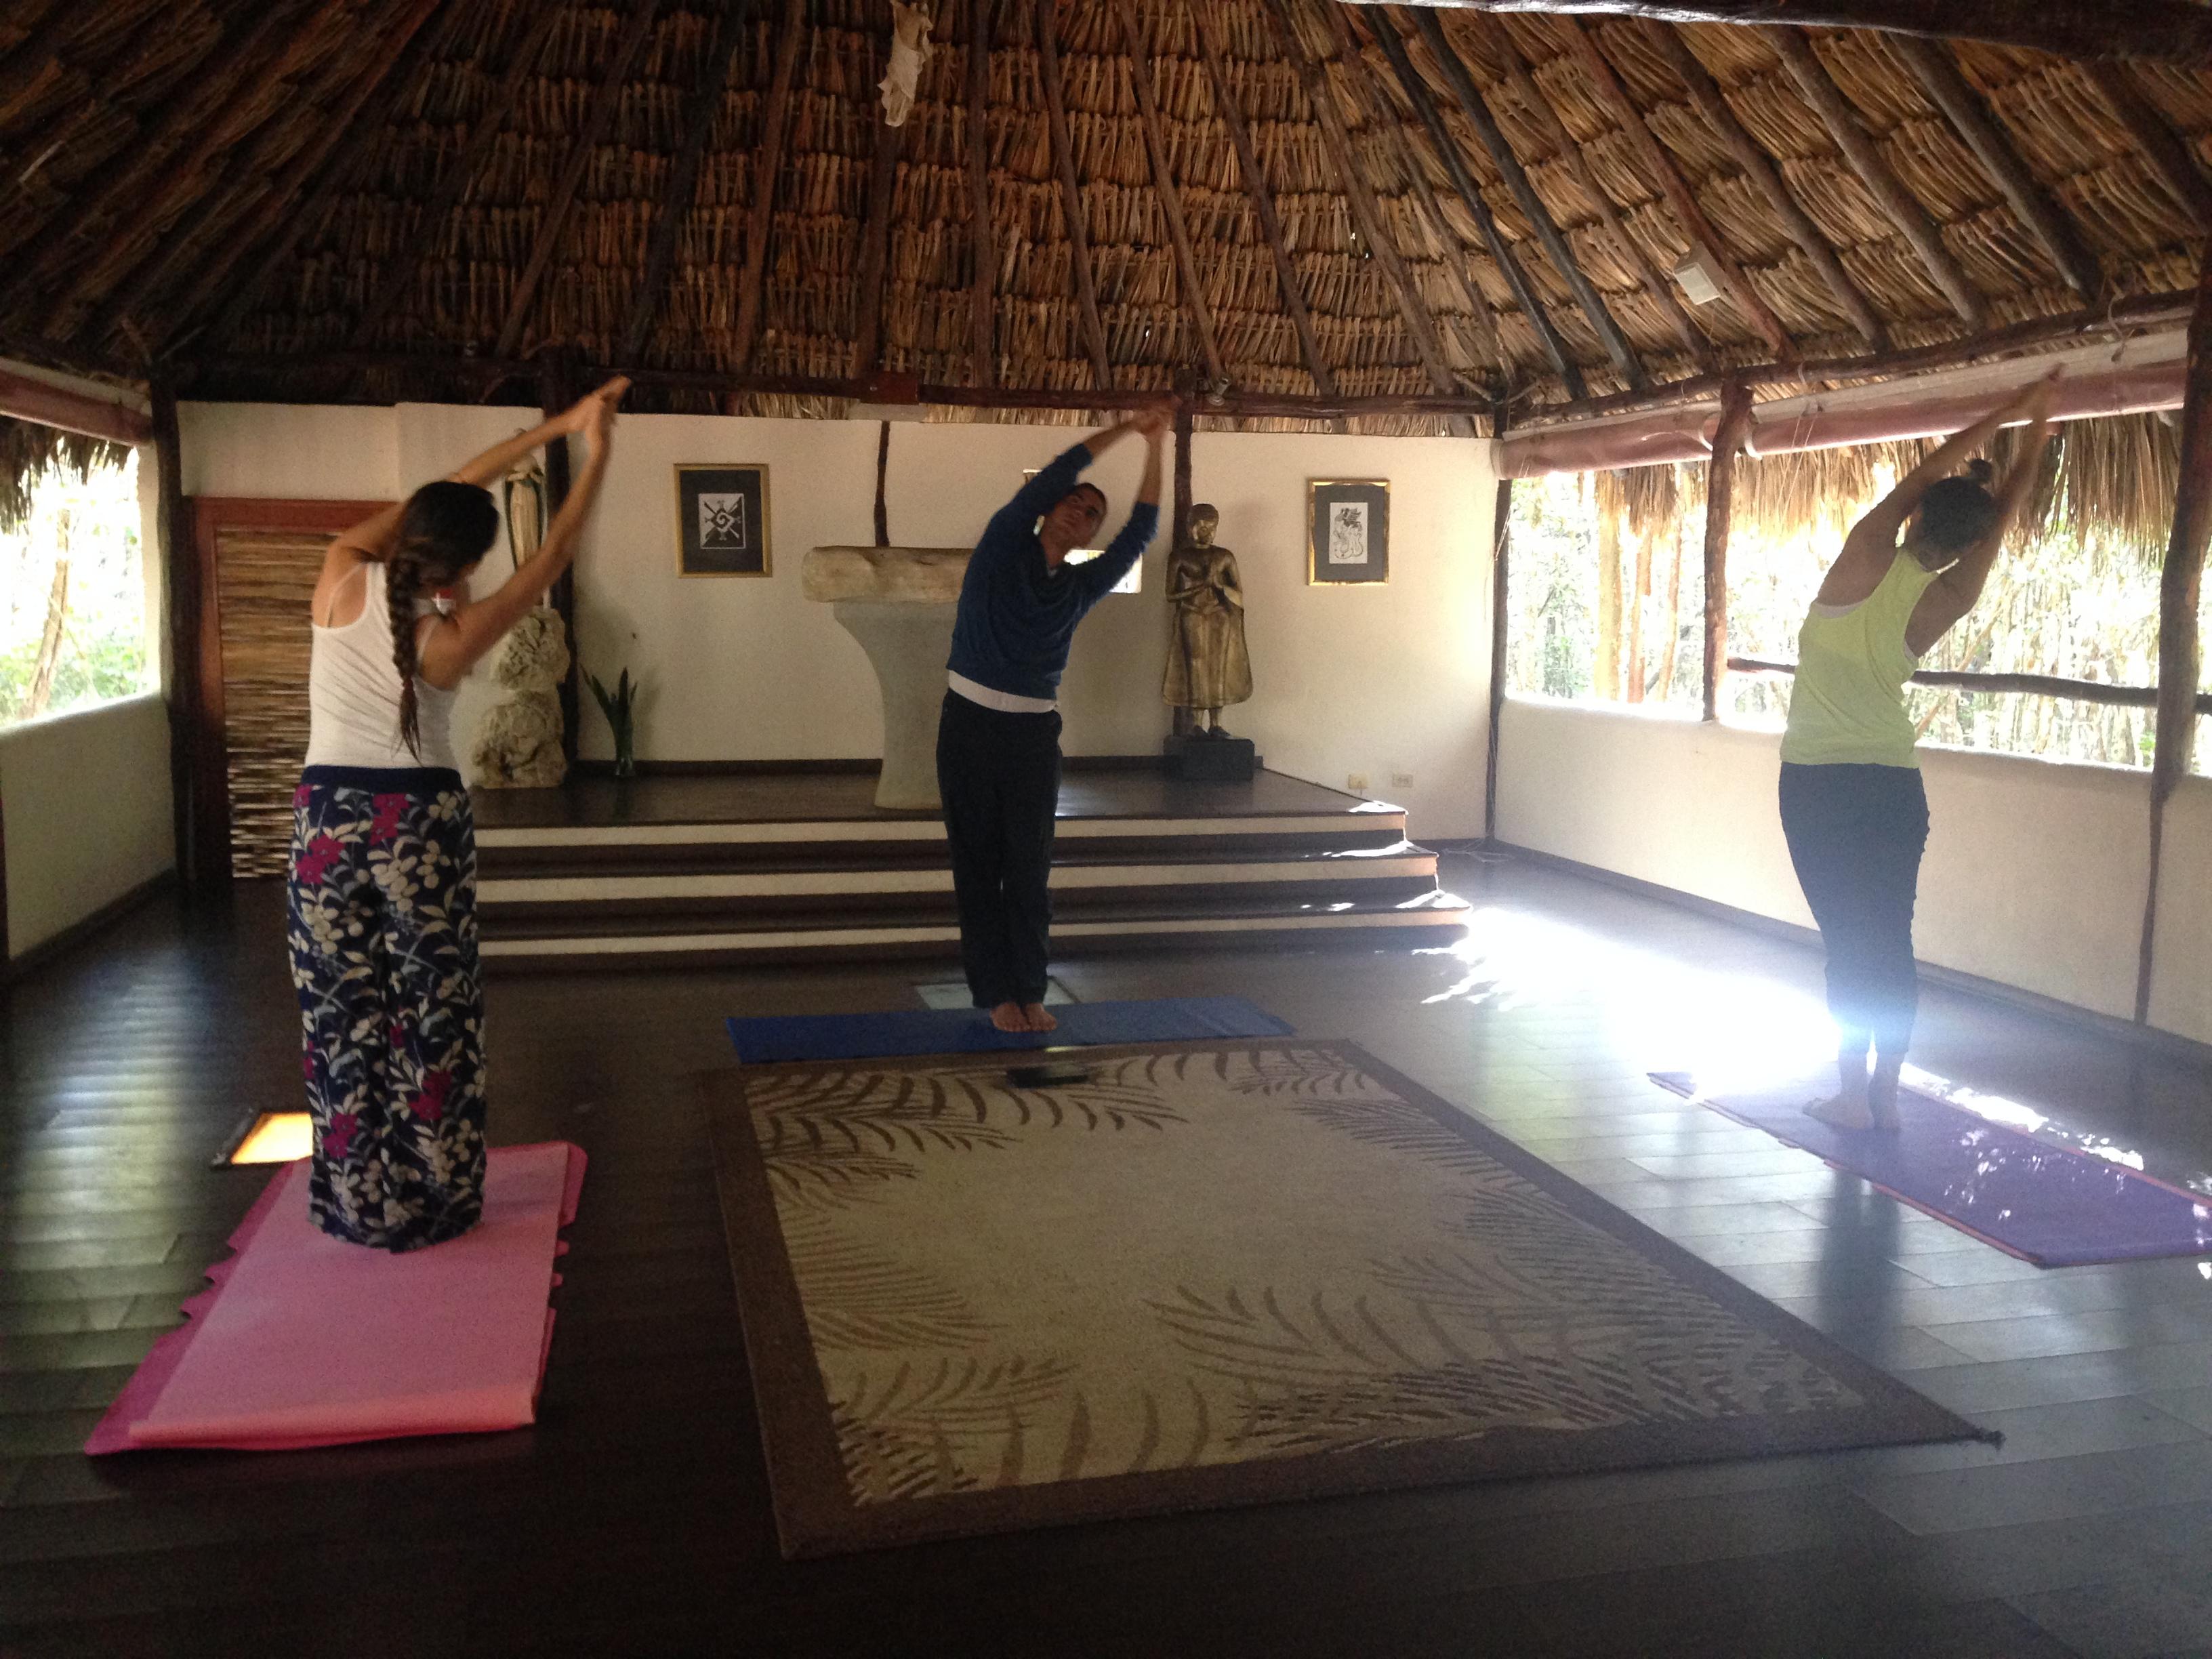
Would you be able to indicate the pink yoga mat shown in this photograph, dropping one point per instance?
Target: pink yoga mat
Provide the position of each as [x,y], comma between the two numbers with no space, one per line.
[306,1340]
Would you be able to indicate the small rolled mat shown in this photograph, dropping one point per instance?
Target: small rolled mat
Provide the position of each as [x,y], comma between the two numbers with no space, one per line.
[969,1031]
[2055,1206]
[303,1340]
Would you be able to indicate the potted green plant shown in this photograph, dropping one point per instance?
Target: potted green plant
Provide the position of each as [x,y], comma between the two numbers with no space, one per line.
[620,707]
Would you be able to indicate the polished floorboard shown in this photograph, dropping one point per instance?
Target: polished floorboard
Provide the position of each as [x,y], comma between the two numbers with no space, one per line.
[633,1519]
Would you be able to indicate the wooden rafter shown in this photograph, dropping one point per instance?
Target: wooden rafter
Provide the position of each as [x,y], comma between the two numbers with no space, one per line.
[683,176]
[1472,105]
[982,257]
[1939,77]
[1139,63]
[1656,284]
[1711,103]
[875,247]
[2174,31]
[1903,208]
[1421,327]
[1071,192]
[2183,178]
[1696,230]
[768,170]
[553,225]
[1263,198]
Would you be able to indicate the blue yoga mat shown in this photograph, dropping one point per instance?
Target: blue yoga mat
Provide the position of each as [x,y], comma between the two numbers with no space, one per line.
[969,1031]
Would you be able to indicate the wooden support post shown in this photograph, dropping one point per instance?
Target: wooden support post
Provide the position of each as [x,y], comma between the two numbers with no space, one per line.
[1263,198]
[1720,509]
[1696,230]
[768,170]
[875,248]
[2180,590]
[882,480]
[1711,103]
[2175,168]
[982,257]
[1181,721]
[1468,97]
[556,391]
[1501,596]
[1163,184]
[683,177]
[553,225]
[180,668]
[1939,77]
[1071,194]
[1903,208]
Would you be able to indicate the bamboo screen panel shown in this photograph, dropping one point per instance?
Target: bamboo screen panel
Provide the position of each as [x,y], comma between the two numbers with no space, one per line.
[266,580]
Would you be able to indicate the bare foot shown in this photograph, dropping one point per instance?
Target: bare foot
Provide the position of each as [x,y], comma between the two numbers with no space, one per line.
[1038,1020]
[1881,1103]
[1842,1112]
[1008,1017]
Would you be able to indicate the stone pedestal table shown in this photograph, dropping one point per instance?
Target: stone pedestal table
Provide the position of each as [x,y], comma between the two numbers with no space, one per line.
[899,603]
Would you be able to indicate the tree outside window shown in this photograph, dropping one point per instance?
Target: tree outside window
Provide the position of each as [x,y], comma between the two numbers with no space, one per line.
[73,613]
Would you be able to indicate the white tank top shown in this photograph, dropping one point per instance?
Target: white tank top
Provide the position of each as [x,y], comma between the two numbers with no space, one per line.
[353,694]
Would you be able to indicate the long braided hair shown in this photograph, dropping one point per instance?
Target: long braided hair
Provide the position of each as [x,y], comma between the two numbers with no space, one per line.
[445,529]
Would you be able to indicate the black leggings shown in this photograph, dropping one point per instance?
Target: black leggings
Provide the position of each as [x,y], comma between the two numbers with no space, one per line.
[1855,835]
[999,776]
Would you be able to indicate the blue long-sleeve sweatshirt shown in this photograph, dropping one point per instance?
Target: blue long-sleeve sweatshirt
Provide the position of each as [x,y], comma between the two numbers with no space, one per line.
[1017,616]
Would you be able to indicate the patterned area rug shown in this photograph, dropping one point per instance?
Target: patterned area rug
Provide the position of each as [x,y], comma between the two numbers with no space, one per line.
[1212,1275]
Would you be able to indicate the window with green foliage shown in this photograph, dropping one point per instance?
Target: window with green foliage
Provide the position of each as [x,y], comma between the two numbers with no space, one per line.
[73,578]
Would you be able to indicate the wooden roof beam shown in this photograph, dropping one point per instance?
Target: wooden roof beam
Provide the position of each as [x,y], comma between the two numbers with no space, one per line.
[1071,194]
[982,258]
[1263,198]
[1711,103]
[1469,98]
[1656,282]
[1970,118]
[555,223]
[2176,169]
[1851,137]
[1148,115]
[768,172]
[2170,31]
[683,176]
[1696,230]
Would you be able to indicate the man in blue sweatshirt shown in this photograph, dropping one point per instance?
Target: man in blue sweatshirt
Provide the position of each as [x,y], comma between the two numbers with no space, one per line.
[998,739]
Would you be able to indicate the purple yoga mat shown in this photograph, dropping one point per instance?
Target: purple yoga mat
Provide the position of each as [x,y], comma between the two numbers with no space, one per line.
[2055,1206]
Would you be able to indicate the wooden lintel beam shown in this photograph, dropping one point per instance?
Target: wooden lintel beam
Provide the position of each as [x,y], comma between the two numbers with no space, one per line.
[1696,230]
[1711,102]
[982,256]
[554,225]
[1656,284]
[1970,118]
[2176,169]
[1071,192]
[768,170]
[23,398]
[2169,31]
[1902,209]
[1720,512]
[875,247]
[1476,109]
[1138,64]
[1262,199]
[684,177]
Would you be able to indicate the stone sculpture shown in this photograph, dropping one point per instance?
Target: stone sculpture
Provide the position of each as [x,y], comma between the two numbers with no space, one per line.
[520,744]
[1208,667]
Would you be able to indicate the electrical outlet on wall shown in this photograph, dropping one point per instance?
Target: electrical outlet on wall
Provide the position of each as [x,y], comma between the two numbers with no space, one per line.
[1356,783]
[1401,780]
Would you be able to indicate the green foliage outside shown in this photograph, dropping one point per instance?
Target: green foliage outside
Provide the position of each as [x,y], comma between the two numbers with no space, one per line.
[84,634]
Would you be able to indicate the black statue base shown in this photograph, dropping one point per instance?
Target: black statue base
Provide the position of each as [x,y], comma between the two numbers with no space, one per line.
[1209,757]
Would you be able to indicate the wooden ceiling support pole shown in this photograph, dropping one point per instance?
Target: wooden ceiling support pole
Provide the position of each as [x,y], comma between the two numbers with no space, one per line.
[1970,118]
[767,174]
[1501,596]
[1720,512]
[181,626]
[1469,98]
[553,225]
[1263,198]
[1071,192]
[1711,102]
[875,248]
[1163,181]
[557,390]
[2175,168]
[1898,203]
[2180,588]
[983,257]
[1697,231]
[676,201]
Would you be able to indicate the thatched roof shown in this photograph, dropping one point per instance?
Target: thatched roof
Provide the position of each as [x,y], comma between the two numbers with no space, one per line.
[286,179]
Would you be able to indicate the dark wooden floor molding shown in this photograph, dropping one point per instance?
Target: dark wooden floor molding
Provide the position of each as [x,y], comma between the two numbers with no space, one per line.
[843,766]
[47,950]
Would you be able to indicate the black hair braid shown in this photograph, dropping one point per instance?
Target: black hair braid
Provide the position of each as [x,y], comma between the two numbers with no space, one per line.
[403,581]
[443,531]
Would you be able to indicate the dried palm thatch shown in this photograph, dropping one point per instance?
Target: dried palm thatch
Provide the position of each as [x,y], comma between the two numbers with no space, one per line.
[29,449]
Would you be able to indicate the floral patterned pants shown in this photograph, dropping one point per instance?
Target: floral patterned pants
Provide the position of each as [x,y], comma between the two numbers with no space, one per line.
[383,936]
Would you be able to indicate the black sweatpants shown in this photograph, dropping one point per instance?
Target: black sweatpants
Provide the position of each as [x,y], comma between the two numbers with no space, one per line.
[999,776]
[1855,835]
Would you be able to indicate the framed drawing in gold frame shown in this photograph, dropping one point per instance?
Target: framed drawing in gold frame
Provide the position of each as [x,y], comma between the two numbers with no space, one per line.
[721,519]
[1347,531]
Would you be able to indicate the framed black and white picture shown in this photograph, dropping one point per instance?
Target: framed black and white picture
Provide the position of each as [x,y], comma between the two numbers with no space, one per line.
[721,520]
[1348,530]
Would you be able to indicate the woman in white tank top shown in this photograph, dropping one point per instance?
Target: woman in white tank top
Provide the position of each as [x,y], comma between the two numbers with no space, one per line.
[382,890]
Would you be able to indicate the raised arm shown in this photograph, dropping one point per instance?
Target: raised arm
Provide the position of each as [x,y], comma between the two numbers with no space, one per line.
[1100,574]
[1957,591]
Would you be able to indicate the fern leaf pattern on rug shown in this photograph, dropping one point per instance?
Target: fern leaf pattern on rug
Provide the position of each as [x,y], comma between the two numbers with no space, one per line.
[1210,1257]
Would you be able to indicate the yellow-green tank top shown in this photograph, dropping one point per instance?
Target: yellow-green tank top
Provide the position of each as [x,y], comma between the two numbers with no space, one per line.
[1847,707]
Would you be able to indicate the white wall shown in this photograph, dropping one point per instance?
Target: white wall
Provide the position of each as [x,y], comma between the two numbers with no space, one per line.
[2035,871]
[87,804]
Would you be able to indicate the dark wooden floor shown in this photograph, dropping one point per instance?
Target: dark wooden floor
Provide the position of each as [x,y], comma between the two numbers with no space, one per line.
[634,1519]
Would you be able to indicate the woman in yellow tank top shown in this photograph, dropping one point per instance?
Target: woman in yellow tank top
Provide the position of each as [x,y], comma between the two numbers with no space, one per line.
[1853,809]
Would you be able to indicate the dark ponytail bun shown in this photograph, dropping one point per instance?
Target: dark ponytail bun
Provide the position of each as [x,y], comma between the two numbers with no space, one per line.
[1957,512]
[1981,470]
[444,530]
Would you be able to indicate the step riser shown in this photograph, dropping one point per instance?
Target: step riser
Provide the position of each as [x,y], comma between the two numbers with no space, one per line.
[705,858]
